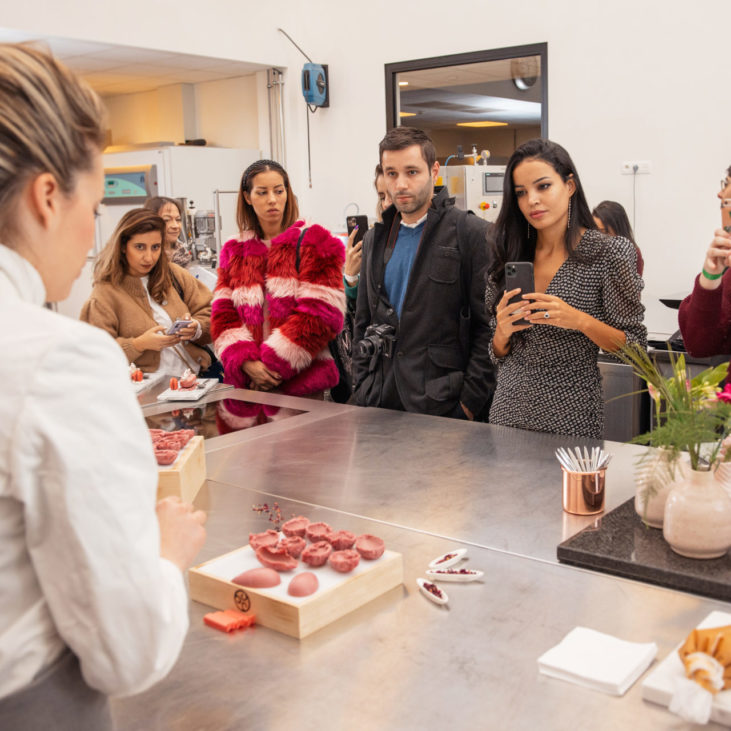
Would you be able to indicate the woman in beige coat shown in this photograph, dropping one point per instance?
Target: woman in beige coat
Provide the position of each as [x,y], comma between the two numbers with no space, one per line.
[138,295]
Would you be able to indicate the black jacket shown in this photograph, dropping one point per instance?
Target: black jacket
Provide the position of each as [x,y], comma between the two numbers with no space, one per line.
[440,353]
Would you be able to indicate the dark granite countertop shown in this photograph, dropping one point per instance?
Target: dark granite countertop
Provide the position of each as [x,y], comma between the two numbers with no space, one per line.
[622,545]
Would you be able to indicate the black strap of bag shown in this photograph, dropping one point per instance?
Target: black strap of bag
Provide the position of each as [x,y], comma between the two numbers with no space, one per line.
[215,369]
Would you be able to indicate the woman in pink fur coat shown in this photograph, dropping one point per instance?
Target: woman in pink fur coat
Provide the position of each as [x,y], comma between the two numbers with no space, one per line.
[279,299]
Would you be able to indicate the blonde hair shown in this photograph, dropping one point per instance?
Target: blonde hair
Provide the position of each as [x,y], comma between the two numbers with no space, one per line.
[112,267]
[50,122]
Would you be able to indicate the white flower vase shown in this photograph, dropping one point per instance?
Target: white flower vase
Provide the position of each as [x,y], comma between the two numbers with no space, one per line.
[654,478]
[697,521]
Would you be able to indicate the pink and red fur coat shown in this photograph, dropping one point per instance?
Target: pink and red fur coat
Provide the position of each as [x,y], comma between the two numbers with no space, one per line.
[305,310]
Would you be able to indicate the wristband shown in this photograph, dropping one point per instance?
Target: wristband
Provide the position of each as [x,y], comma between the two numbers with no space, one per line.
[713,276]
[351,280]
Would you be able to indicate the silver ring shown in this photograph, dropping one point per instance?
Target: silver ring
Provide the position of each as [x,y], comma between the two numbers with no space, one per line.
[546,314]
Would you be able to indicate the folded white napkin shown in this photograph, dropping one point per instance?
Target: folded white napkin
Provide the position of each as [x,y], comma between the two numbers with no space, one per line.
[595,660]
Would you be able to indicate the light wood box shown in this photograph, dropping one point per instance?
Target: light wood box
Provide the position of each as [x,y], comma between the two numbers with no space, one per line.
[298,617]
[184,477]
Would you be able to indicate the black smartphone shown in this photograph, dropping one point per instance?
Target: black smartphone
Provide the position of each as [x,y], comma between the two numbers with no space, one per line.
[519,274]
[361,222]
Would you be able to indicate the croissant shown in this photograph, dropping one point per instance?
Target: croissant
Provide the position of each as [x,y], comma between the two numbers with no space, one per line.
[706,654]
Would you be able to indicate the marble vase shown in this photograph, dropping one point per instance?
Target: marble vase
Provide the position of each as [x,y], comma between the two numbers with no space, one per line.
[697,521]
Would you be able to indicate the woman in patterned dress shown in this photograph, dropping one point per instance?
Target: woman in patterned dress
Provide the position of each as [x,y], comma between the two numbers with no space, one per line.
[587,298]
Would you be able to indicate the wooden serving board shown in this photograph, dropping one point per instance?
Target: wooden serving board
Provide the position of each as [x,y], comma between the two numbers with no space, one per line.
[184,477]
[338,595]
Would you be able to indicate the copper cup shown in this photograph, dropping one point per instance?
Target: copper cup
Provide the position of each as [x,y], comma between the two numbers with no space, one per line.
[583,492]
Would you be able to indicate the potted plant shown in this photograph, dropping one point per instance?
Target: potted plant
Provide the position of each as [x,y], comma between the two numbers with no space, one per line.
[693,418]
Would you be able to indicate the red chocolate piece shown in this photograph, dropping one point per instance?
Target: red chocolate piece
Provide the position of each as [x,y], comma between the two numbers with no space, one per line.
[317,553]
[267,538]
[296,526]
[166,456]
[229,620]
[275,557]
[317,532]
[344,561]
[342,539]
[370,547]
[293,545]
[303,584]
[258,578]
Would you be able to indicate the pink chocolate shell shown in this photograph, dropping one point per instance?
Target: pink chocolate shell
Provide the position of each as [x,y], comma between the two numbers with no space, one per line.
[276,558]
[296,526]
[303,584]
[319,532]
[316,554]
[370,547]
[293,545]
[344,561]
[342,539]
[267,538]
[258,578]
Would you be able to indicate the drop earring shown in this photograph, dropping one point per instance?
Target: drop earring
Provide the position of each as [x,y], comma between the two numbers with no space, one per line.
[568,223]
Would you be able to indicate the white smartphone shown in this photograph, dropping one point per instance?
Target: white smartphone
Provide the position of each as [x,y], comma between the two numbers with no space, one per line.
[177,326]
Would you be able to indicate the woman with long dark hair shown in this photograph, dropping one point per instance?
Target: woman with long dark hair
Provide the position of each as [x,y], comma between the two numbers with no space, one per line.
[611,219]
[587,297]
[279,299]
[138,294]
[171,212]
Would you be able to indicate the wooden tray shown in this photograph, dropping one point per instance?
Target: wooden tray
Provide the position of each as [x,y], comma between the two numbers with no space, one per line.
[184,477]
[338,595]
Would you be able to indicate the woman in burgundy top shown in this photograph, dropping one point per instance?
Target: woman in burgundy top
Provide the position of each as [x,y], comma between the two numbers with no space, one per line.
[705,315]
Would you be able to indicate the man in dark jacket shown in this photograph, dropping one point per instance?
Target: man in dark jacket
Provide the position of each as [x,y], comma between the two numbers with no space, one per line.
[421,338]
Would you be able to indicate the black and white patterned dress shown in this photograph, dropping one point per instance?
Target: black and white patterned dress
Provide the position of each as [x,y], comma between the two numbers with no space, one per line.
[550,381]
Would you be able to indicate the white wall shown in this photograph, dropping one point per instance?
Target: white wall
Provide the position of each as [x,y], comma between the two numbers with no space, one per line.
[226,112]
[626,80]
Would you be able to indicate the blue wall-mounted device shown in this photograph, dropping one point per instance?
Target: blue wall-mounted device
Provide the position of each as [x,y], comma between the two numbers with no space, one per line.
[315,86]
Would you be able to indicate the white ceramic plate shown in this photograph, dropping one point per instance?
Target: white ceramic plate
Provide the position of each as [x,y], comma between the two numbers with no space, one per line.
[443,599]
[448,559]
[454,575]
[181,394]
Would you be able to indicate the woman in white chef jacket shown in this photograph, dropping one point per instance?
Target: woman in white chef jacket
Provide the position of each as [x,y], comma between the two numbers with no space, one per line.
[92,599]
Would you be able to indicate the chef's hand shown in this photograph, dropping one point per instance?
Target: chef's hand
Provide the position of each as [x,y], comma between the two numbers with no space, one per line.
[718,257]
[262,379]
[545,309]
[353,254]
[154,339]
[188,333]
[182,533]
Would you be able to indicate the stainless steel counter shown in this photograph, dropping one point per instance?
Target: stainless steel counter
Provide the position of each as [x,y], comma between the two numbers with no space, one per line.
[401,662]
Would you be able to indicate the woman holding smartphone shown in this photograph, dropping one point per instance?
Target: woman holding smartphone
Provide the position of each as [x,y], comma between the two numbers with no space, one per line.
[586,298]
[279,299]
[705,314]
[157,311]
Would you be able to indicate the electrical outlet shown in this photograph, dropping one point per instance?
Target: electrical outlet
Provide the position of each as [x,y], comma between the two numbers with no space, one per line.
[644,167]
